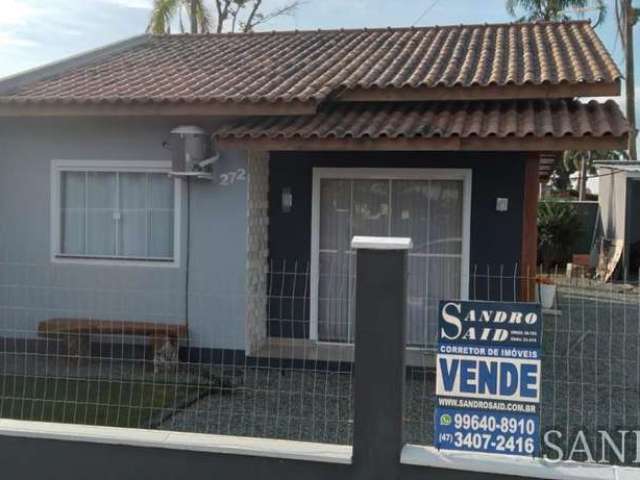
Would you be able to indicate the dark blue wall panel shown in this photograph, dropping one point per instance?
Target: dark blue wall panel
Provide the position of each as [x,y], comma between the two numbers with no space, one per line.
[495,236]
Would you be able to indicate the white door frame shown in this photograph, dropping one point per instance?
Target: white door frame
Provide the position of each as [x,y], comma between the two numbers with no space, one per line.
[384,174]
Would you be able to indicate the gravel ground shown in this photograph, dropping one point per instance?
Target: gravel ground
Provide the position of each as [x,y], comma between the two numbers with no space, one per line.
[295,405]
[591,362]
[591,381]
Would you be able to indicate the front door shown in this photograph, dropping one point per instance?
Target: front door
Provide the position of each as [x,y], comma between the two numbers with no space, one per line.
[429,206]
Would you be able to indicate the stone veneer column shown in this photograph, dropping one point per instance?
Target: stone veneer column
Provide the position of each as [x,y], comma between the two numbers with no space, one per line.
[257,249]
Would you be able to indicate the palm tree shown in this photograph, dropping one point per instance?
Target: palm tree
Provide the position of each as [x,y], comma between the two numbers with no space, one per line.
[236,15]
[164,11]
[555,10]
[581,161]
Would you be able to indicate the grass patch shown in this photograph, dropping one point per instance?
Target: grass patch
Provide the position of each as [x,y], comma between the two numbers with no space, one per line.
[90,402]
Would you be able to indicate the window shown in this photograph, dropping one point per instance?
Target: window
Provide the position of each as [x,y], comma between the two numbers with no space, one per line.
[114,211]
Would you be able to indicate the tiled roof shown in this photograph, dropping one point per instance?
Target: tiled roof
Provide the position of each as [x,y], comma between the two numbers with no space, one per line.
[508,119]
[313,65]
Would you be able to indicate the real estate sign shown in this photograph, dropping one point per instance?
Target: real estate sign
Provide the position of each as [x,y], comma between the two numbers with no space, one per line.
[488,377]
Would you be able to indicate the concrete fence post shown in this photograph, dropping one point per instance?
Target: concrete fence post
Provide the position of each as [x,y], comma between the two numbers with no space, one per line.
[381,269]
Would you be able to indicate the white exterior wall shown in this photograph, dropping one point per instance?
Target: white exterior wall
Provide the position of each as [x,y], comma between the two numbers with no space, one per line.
[612,198]
[33,288]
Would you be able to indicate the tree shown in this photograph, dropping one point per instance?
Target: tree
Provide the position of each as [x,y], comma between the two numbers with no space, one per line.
[164,11]
[229,15]
[559,226]
[580,161]
[555,10]
[246,15]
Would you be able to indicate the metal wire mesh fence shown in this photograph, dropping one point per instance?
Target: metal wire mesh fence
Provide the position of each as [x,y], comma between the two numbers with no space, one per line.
[264,362]
[114,353]
[590,359]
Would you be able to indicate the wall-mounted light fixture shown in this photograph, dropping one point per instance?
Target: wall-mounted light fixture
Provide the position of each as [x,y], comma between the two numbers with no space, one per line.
[287,200]
[502,204]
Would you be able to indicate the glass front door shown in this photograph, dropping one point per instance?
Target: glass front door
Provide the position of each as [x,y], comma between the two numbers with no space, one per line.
[429,211]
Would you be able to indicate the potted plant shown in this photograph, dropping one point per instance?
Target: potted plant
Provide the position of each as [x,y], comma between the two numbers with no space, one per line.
[546,291]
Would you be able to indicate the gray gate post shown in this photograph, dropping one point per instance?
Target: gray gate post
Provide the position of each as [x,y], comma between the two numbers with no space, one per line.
[379,369]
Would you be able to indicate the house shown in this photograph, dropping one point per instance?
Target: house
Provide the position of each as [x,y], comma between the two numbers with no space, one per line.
[619,201]
[437,133]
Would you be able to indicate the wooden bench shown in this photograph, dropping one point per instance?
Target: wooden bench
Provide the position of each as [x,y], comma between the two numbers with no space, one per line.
[76,334]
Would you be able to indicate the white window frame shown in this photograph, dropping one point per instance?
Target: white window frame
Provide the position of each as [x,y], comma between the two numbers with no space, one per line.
[122,166]
[384,174]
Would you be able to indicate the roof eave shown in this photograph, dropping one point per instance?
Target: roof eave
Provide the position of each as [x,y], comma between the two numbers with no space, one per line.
[145,109]
[489,92]
[493,143]
[138,107]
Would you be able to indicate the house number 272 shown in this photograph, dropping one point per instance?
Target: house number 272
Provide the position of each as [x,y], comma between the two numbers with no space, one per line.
[229,178]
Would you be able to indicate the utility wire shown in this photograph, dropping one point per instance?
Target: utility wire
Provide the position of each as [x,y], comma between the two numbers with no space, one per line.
[427,10]
[612,172]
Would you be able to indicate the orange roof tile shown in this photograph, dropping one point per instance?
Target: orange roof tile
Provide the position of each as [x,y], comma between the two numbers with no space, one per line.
[313,65]
[501,119]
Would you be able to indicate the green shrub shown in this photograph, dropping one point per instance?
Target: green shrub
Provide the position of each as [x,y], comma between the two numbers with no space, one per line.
[559,228]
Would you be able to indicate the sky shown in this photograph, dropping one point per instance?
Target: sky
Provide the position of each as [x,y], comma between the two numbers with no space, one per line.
[36,32]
